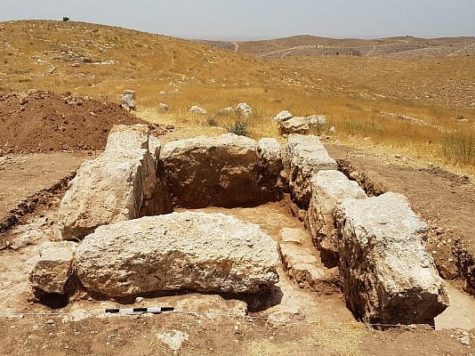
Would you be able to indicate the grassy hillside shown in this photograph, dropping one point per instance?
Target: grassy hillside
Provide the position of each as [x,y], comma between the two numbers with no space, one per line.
[423,109]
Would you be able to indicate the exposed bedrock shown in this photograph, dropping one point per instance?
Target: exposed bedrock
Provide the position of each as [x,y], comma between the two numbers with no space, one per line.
[388,277]
[179,251]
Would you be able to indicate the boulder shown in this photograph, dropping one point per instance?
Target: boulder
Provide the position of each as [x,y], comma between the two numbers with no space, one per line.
[283,116]
[269,159]
[212,171]
[388,277]
[305,156]
[120,184]
[295,125]
[198,110]
[53,269]
[127,100]
[180,251]
[329,188]
[244,109]
[163,108]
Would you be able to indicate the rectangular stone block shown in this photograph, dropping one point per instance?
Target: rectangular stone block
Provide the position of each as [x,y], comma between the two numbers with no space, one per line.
[329,188]
[388,277]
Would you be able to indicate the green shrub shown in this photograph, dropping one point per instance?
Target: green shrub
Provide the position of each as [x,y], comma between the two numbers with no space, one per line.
[238,128]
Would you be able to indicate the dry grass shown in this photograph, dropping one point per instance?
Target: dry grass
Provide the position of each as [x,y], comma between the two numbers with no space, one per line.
[365,99]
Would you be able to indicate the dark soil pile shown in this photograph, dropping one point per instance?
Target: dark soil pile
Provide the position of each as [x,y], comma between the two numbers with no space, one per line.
[44,122]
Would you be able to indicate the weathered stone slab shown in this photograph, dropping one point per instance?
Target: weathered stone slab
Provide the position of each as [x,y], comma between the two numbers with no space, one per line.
[212,171]
[302,264]
[120,184]
[329,188]
[53,268]
[306,156]
[179,251]
[388,277]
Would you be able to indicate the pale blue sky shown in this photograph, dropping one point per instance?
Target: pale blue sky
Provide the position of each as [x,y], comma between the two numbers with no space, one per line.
[245,19]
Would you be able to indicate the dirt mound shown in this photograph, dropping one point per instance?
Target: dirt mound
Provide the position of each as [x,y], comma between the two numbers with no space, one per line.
[43,121]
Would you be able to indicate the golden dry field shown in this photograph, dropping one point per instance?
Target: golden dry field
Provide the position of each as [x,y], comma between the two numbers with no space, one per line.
[422,107]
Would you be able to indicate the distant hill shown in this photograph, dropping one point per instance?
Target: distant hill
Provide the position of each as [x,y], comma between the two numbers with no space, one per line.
[384,47]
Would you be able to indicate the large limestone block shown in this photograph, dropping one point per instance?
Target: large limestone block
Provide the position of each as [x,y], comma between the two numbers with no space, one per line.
[212,171]
[53,268]
[306,156]
[120,184]
[329,188]
[180,251]
[388,277]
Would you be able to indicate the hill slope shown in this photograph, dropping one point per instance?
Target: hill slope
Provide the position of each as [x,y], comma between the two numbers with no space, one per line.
[402,102]
[405,47]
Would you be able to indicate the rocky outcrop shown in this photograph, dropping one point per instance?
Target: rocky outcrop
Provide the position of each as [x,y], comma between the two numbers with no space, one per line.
[295,125]
[179,251]
[120,184]
[303,265]
[127,101]
[329,188]
[212,171]
[316,120]
[388,277]
[305,156]
[269,159]
[53,269]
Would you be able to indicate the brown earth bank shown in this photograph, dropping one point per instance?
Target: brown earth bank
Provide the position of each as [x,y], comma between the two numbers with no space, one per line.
[43,122]
[140,335]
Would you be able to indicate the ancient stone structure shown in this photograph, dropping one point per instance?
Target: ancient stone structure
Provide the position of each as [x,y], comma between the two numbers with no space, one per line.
[121,184]
[388,277]
[53,268]
[329,188]
[179,251]
[295,125]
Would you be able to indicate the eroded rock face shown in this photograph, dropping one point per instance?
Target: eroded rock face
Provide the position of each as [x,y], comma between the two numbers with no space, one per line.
[269,157]
[180,251]
[305,156]
[329,188]
[53,268]
[212,171]
[120,184]
[388,277]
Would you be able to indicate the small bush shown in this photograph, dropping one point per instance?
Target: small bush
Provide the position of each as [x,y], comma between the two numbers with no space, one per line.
[238,128]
